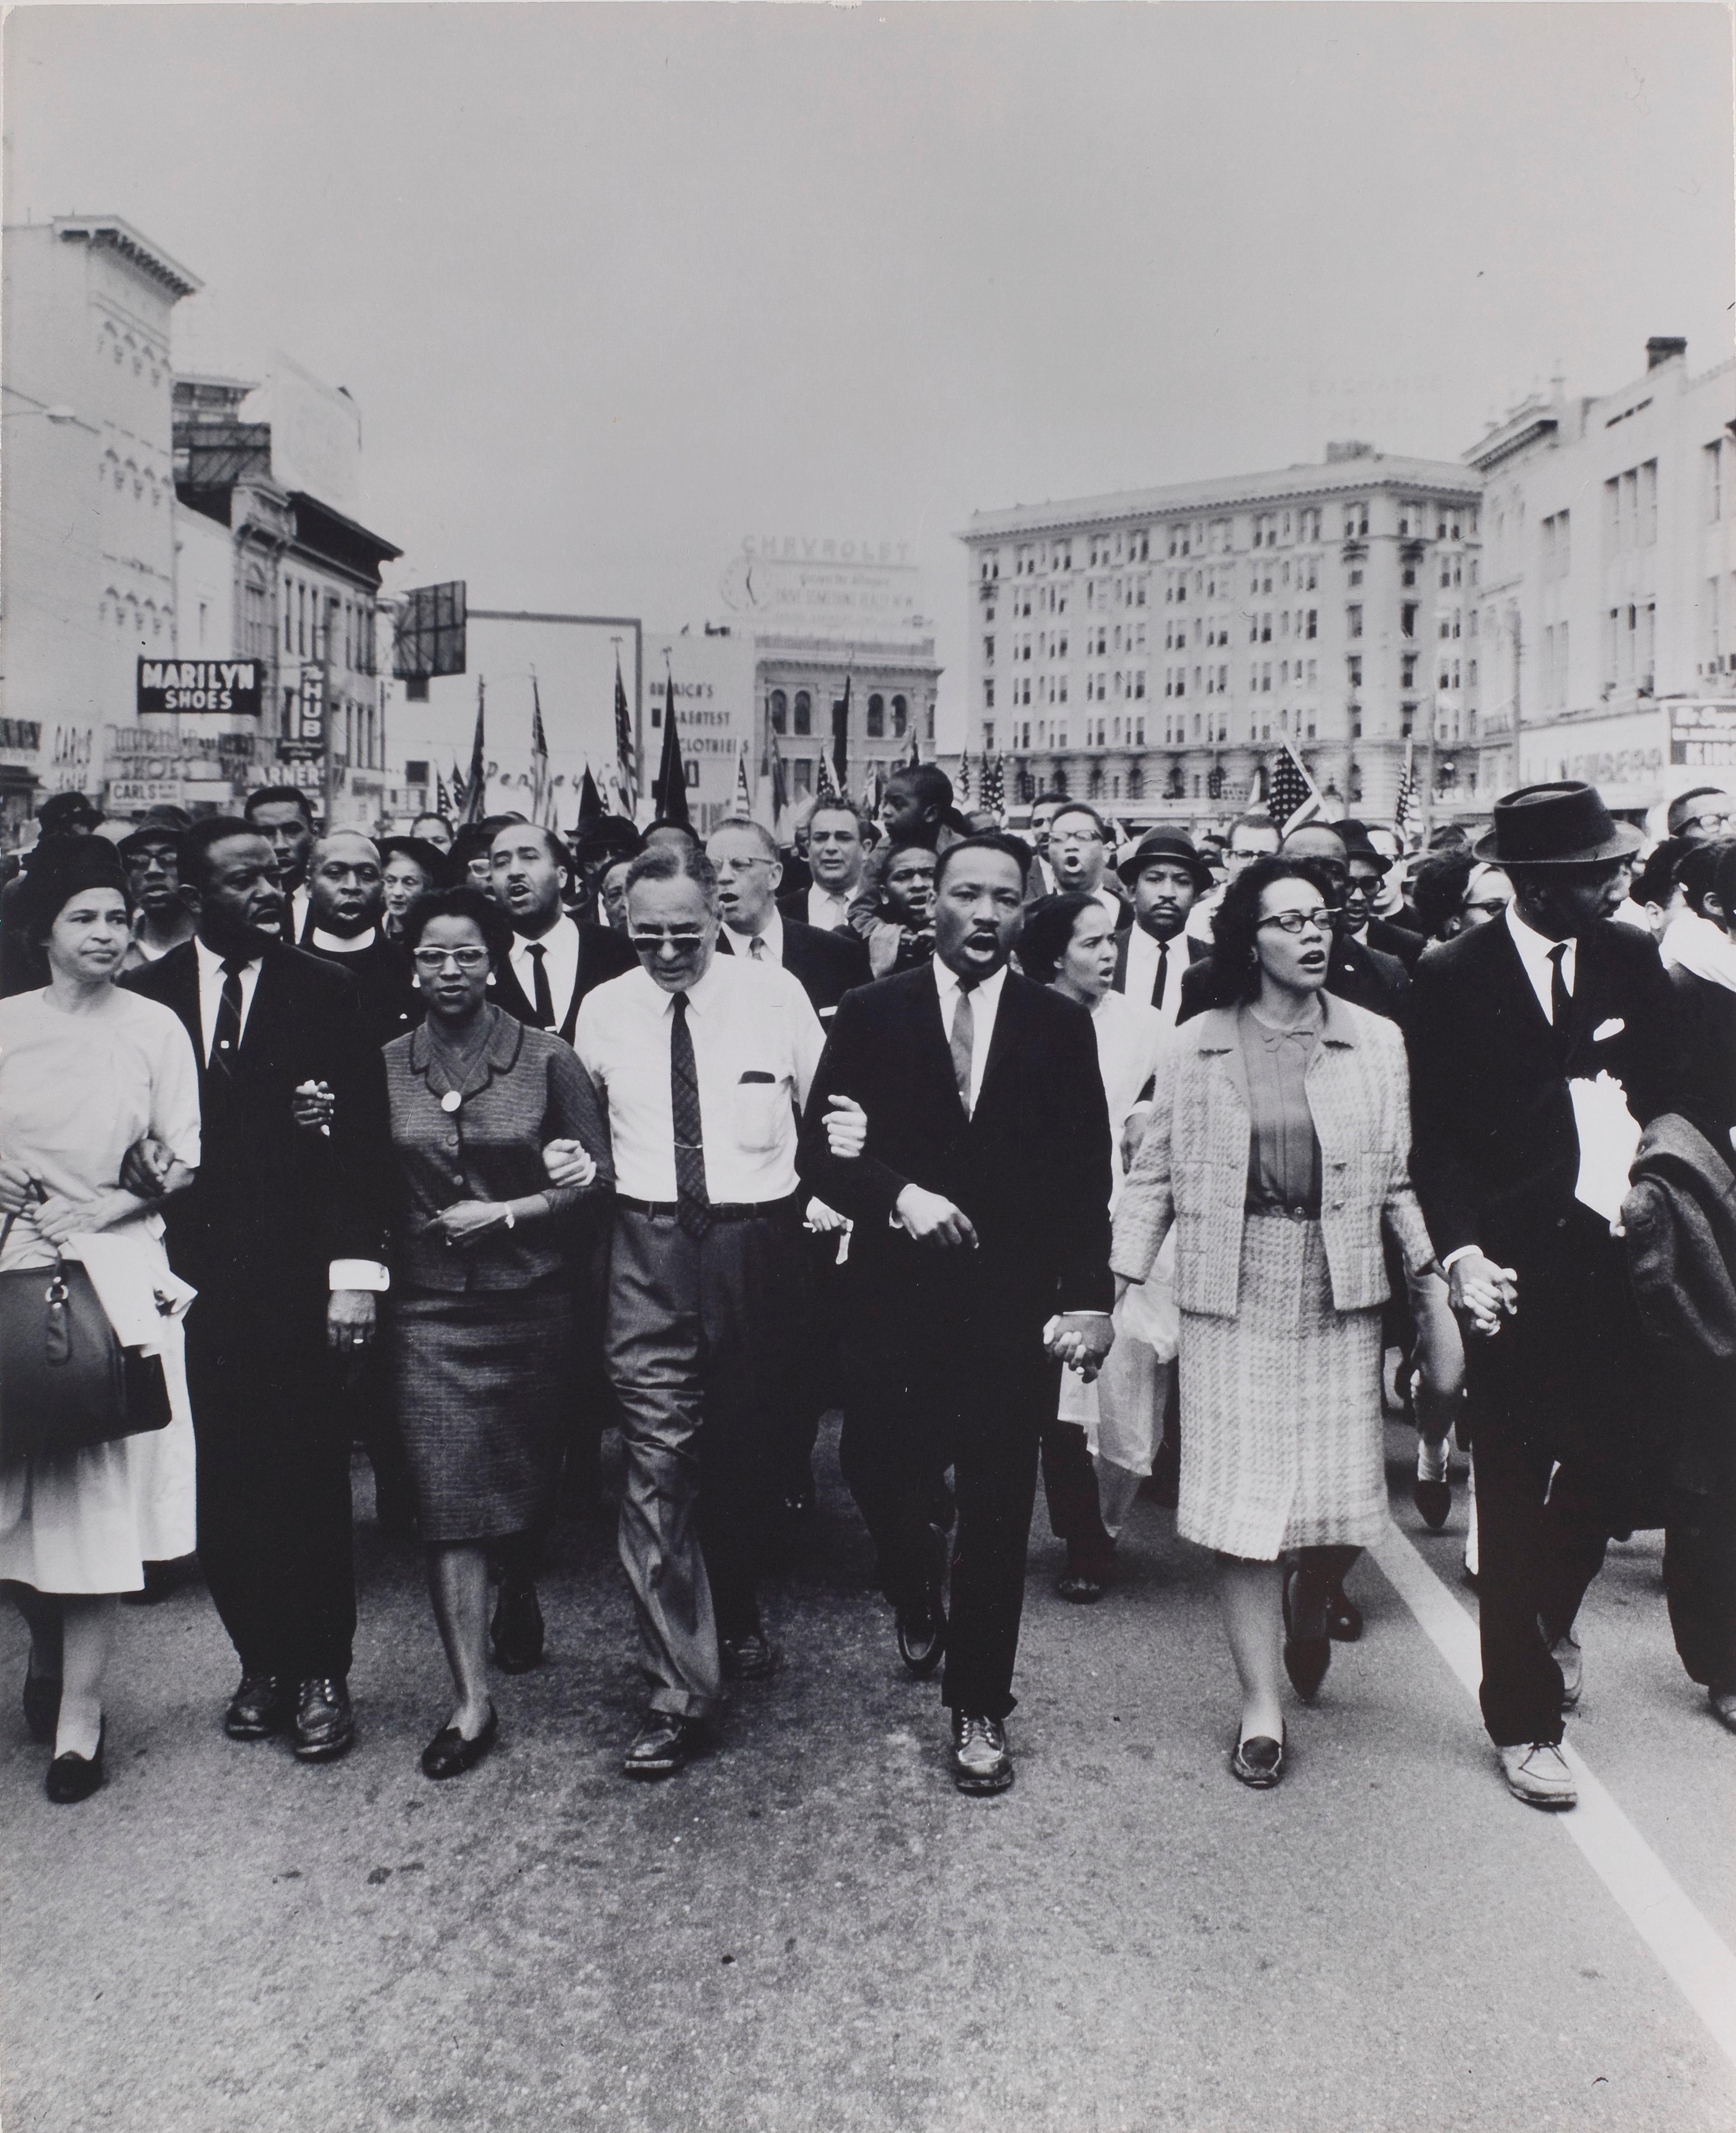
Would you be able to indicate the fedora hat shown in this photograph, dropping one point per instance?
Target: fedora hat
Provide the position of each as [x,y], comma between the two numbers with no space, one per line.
[1562,825]
[1357,846]
[1172,845]
[154,826]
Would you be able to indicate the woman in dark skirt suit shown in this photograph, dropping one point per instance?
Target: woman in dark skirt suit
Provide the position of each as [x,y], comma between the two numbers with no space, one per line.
[481,1319]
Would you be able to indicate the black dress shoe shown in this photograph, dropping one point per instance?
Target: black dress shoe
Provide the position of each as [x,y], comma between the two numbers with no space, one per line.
[980,1762]
[325,1726]
[1434,1501]
[74,1777]
[449,1755]
[517,1629]
[750,1657]
[922,1621]
[1083,1587]
[1343,1617]
[1306,1657]
[258,1708]
[663,1743]
[41,1704]
[1258,1761]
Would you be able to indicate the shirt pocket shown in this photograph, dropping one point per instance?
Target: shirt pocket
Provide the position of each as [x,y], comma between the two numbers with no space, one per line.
[762,1115]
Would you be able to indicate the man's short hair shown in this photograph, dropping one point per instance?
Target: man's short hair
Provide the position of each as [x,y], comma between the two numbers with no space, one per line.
[551,839]
[1261,821]
[1681,809]
[834,807]
[1007,847]
[767,843]
[929,783]
[676,863]
[1081,807]
[268,794]
[193,855]
[1049,799]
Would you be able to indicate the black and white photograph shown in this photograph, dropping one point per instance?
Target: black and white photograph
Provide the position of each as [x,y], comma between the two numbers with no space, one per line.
[867,1066]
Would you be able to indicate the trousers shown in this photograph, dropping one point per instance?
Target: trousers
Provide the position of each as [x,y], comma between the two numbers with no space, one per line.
[701,1351]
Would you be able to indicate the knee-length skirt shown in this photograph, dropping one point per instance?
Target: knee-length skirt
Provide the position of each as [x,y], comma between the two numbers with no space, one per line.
[1281,1427]
[482,1388]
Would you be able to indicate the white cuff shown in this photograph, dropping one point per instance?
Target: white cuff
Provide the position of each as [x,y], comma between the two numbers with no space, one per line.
[359,1273]
[1446,1264]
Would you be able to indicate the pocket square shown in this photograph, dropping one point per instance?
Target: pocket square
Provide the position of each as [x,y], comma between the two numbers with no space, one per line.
[1613,1028]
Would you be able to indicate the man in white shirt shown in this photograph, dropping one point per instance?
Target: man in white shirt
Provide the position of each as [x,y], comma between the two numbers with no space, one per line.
[1079,857]
[553,962]
[835,859]
[702,1062]
[1164,875]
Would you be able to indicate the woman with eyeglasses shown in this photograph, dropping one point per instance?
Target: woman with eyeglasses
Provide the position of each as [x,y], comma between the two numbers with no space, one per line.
[481,1320]
[1278,1149]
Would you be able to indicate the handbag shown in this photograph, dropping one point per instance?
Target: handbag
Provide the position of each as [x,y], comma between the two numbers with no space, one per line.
[65,1381]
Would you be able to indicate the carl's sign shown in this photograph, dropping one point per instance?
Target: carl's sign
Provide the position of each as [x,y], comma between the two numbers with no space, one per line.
[231,685]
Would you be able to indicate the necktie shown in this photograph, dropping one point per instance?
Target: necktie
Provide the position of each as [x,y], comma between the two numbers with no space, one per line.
[1560,1000]
[226,1038]
[1163,973]
[693,1202]
[757,951]
[544,1001]
[963,1038]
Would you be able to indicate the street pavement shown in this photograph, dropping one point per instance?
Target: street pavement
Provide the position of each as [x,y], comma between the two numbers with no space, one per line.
[810,1931]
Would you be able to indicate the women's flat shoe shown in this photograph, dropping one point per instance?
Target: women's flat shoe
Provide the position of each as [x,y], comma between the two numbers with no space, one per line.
[41,1704]
[1305,1658]
[1258,1762]
[449,1755]
[74,1777]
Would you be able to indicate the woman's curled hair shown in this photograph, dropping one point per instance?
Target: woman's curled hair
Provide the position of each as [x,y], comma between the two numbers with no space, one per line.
[464,900]
[1048,932]
[1235,928]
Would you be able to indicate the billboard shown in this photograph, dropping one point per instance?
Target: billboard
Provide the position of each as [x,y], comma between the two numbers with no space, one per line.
[851,591]
[429,636]
[230,687]
[1703,736]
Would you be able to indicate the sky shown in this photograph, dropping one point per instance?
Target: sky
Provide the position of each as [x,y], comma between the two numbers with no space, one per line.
[617,285]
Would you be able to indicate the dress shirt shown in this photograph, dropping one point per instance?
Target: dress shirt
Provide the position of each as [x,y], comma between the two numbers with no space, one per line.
[298,916]
[985,1004]
[210,994]
[1112,904]
[771,933]
[828,909]
[1534,952]
[561,959]
[742,1022]
[340,943]
[1144,954]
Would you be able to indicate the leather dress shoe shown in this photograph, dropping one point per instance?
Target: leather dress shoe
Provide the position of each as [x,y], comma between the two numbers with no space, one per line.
[1305,1658]
[74,1777]
[752,1656]
[1343,1617]
[41,1702]
[516,1628]
[1536,1772]
[663,1743]
[922,1621]
[1259,1760]
[258,1708]
[1434,1501]
[1083,1587]
[449,1755]
[980,1762]
[1566,1652]
[325,1726]
[1722,1704]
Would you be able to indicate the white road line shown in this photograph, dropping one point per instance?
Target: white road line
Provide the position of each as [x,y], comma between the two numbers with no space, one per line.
[1686,1944]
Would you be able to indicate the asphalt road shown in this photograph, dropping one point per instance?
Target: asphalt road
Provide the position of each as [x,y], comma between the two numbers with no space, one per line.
[810,1931]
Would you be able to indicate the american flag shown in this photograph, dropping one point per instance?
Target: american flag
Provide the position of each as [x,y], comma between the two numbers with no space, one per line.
[994,783]
[627,766]
[743,796]
[542,794]
[961,784]
[1405,805]
[1292,798]
[824,787]
[442,798]
[476,785]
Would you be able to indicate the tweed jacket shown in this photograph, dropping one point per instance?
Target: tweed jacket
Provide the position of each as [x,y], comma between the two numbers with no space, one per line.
[1192,1166]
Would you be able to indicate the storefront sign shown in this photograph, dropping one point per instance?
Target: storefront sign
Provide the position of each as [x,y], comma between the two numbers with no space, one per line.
[1703,736]
[230,687]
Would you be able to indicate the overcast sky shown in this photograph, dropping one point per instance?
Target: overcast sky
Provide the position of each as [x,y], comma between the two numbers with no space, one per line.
[614,285]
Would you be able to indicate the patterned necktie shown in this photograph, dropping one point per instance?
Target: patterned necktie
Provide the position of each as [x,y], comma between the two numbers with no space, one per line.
[1163,973]
[693,1203]
[964,1040]
[226,1038]
[543,1003]
[1560,1000]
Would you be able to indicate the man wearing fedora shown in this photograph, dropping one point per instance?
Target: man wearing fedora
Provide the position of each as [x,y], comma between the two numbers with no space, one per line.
[1166,876]
[1368,868]
[1502,1021]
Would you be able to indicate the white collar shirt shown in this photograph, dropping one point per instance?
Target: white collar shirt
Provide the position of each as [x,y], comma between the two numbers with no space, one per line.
[985,1005]
[1534,953]
[829,908]
[756,1046]
[340,943]
[210,994]
[559,947]
[1145,955]
[298,915]
[771,933]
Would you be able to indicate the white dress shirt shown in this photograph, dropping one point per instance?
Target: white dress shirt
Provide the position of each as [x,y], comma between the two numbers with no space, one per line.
[1144,955]
[985,1005]
[210,994]
[1131,1037]
[742,1022]
[771,933]
[298,915]
[559,947]
[341,944]
[828,909]
[1534,952]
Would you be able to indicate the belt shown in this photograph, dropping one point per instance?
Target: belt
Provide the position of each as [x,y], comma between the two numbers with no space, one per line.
[719,1210]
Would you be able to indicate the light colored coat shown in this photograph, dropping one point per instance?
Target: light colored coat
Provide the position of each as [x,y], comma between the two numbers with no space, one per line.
[1192,1166]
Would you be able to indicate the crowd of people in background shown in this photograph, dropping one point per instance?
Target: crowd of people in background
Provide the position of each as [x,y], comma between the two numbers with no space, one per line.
[1149,1164]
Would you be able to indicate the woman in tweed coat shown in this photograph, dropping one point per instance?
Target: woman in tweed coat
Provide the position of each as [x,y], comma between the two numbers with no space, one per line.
[1278,1146]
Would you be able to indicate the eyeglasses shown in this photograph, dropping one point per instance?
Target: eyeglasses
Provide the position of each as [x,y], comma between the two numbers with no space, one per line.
[740,865]
[434,960]
[1300,921]
[1491,907]
[679,938]
[1075,836]
[1718,821]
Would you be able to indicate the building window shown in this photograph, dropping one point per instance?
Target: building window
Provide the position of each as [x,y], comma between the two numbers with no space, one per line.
[778,711]
[987,736]
[1407,619]
[1712,457]
[877,717]
[804,712]
[1353,620]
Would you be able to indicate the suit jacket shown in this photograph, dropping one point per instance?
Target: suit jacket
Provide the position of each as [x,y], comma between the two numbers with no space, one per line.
[1387,938]
[1496,1157]
[1192,952]
[390,1005]
[272,1205]
[1030,1166]
[1364,976]
[1192,1165]
[824,964]
[1708,1027]
[603,954]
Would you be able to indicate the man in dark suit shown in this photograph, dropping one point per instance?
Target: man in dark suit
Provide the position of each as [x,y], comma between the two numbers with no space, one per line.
[837,854]
[281,1234]
[283,815]
[824,964]
[346,903]
[1504,1021]
[970,1145]
[1166,876]
[553,962]
[1366,868]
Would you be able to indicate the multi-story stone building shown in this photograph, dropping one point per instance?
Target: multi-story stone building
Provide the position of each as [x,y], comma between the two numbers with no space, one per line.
[1608,600]
[1151,648]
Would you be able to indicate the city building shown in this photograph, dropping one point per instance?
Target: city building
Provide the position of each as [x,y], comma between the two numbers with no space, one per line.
[1148,650]
[1608,608]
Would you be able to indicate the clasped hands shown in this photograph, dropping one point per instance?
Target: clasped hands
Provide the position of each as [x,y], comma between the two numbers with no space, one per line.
[1483,1292]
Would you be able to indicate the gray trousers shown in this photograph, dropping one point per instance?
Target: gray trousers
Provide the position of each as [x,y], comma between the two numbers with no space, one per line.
[702,1352]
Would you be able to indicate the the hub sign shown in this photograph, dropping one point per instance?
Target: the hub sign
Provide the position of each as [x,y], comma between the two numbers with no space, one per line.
[228,686]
